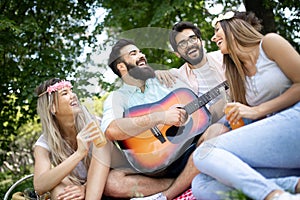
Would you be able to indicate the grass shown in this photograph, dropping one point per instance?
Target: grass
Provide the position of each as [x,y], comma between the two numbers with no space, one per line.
[234,195]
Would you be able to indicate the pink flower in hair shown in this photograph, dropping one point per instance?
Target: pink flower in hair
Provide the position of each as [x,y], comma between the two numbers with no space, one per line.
[57,86]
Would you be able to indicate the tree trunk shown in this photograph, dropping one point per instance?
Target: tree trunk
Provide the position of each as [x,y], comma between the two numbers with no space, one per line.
[263,12]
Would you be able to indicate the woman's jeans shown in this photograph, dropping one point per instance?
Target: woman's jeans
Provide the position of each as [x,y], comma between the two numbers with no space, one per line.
[255,159]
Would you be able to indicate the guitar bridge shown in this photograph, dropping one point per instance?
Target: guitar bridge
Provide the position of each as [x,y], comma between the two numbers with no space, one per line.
[156,132]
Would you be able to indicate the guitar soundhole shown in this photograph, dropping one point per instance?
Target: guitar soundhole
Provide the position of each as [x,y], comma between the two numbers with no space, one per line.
[175,134]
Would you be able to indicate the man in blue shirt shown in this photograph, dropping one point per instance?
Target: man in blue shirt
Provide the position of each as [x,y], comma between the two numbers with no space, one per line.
[141,87]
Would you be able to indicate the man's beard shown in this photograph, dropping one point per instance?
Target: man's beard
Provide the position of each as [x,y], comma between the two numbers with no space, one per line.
[141,73]
[194,61]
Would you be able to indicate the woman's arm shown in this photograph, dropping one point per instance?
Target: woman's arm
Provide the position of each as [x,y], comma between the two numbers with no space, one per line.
[98,172]
[279,50]
[45,177]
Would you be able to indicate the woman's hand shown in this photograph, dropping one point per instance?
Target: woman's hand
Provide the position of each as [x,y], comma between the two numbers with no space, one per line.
[84,138]
[165,77]
[74,192]
[238,111]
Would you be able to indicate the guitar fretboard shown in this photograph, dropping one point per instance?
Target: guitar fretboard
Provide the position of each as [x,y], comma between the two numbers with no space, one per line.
[205,98]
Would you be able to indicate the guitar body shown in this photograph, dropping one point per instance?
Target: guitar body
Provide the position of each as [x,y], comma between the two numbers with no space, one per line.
[145,152]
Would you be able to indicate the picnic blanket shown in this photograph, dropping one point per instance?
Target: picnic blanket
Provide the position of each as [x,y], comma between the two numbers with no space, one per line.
[187,195]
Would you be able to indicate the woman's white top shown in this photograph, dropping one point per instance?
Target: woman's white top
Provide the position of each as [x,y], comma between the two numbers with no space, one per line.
[268,82]
[80,168]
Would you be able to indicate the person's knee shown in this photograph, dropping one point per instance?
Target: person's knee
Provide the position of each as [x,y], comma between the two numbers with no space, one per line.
[203,187]
[203,151]
[212,131]
[196,187]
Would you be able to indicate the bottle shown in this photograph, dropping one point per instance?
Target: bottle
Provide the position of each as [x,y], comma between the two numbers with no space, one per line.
[101,140]
[92,121]
[227,99]
[236,125]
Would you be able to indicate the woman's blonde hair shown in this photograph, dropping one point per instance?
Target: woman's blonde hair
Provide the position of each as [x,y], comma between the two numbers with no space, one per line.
[238,33]
[60,149]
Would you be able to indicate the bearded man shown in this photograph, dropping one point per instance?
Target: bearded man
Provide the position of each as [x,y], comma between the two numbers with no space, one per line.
[128,178]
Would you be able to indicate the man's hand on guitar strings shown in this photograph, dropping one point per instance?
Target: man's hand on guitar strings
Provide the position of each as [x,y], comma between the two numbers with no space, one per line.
[175,117]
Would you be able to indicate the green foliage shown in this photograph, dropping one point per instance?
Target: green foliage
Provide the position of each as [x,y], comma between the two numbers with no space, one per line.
[95,105]
[288,26]
[233,195]
[123,16]
[21,187]
[38,40]
[44,39]
[18,160]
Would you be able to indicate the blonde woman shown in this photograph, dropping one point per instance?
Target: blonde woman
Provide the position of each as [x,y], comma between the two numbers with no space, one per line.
[261,159]
[63,151]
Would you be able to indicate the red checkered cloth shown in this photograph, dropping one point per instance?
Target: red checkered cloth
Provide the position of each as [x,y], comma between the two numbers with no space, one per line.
[187,195]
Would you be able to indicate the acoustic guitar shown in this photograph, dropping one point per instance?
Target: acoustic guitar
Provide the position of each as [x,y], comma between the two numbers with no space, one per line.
[154,149]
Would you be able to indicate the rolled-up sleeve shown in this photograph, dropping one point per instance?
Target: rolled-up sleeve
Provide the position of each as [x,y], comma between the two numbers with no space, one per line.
[112,109]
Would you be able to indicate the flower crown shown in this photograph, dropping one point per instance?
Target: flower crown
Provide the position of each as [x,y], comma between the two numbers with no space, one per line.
[221,17]
[57,86]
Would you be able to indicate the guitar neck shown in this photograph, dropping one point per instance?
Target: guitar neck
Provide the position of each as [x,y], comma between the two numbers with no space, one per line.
[205,98]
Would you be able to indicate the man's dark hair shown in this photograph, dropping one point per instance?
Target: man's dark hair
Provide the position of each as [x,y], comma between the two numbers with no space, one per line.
[179,27]
[115,56]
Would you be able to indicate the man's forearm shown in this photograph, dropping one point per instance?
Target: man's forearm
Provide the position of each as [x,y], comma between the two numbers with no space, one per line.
[124,128]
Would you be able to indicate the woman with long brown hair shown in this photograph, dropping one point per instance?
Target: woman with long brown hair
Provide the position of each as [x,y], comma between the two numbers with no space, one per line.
[261,159]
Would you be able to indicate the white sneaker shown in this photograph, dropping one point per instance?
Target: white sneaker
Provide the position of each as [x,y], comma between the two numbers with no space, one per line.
[158,196]
[286,196]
